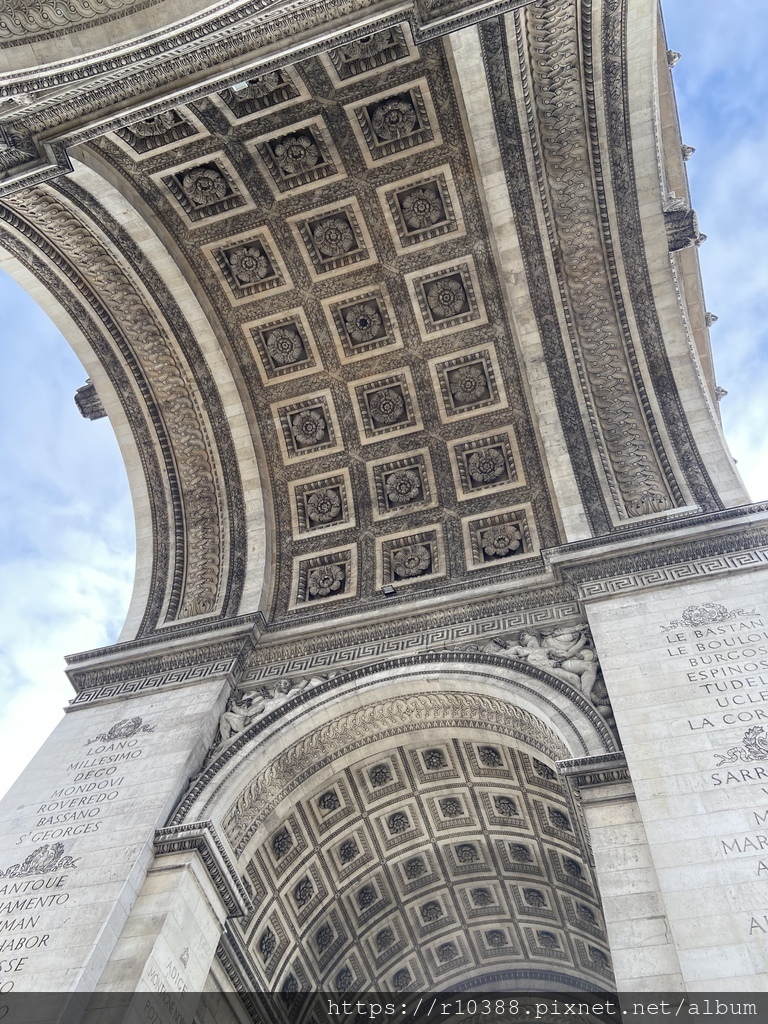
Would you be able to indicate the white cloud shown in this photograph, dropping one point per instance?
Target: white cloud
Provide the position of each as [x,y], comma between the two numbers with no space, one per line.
[66,530]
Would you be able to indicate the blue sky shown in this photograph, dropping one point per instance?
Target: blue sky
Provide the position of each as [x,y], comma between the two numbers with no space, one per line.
[66,526]
[721,83]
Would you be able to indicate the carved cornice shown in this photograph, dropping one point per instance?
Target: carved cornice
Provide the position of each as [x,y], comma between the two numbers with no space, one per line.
[599,770]
[108,682]
[699,556]
[202,838]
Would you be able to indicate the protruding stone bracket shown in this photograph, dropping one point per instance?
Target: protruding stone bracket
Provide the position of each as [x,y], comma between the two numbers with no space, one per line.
[600,770]
[202,837]
[88,402]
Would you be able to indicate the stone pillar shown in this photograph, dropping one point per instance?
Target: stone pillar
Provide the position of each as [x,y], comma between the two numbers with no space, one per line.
[642,950]
[686,665]
[165,951]
[78,827]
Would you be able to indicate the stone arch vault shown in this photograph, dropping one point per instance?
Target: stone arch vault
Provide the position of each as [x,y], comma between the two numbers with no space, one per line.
[396,312]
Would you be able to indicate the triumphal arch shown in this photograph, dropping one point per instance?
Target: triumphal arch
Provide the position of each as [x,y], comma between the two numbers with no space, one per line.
[446,662]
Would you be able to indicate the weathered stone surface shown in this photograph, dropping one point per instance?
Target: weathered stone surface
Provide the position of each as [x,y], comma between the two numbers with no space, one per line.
[445,659]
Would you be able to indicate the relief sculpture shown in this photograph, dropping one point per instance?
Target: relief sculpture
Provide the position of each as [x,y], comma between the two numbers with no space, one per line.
[245,708]
[567,653]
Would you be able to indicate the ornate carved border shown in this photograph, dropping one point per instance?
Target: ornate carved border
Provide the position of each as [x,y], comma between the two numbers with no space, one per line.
[451,658]
[202,837]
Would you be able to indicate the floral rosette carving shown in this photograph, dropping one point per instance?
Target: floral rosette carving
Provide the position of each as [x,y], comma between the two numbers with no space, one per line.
[348,851]
[282,843]
[344,980]
[308,427]
[486,466]
[451,807]
[323,506]
[204,186]
[284,346]
[386,406]
[414,867]
[296,154]
[366,896]
[363,322]
[380,775]
[403,486]
[434,759]
[431,911]
[333,237]
[501,540]
[401,979]
[249,264]
[422,208]
[304,892]
[394,120]
[468,384]
[325,580]
[411,561]
[267,944]
[446,298]
[329,801]
[447,951]
[398,822]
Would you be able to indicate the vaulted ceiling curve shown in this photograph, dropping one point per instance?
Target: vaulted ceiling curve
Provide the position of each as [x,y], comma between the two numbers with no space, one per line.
[419,837]
[328,221]
[303,307]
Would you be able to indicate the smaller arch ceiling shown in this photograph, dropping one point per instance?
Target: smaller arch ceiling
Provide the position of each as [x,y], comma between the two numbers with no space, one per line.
[437,849]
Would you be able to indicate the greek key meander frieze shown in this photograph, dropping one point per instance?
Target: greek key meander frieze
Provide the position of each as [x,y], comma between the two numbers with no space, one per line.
[148,338]
[423,857]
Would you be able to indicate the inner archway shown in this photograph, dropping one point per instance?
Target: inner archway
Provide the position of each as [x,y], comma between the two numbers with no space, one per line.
[407,830]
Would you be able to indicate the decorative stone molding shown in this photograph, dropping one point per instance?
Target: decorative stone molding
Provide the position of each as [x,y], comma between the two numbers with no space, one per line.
[429,710]
[436,630]
[202,838]
[694,557]
[600,142]
[158,367]
[88,402]
[581,235]
[157,670]
[598,770]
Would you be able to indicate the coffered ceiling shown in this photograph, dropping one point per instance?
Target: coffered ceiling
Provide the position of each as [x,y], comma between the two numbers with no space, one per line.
[329,218]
